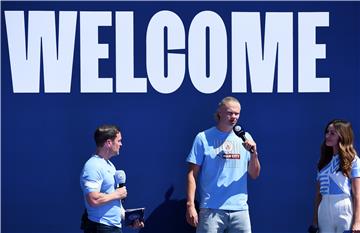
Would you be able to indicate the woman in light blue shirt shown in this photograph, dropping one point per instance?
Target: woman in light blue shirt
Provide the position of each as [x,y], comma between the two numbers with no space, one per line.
[337,202]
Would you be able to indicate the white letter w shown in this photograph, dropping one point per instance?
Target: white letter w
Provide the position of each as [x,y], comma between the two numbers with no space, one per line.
[57,61]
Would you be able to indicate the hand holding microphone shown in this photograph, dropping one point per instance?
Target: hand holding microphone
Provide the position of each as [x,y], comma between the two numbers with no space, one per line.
[248,144]
[120,179]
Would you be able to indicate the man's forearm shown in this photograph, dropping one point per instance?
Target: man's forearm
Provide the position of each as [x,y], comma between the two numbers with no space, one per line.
[97,198]
[254,165]
[191,187]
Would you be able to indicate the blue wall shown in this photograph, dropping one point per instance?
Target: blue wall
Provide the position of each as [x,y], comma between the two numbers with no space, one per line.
[46,138]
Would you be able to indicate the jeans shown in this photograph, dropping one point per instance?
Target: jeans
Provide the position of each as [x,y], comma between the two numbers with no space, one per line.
[89,226]
[94,227]
[223,221]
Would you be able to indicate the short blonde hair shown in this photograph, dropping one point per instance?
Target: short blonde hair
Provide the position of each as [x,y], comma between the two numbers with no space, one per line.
[222,103]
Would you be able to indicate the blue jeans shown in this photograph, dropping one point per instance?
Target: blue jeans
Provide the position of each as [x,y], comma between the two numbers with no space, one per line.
[223,221]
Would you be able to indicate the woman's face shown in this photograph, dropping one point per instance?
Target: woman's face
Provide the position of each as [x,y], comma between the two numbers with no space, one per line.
[332,137]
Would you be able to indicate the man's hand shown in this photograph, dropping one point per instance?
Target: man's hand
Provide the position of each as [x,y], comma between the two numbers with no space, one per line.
[121,192]
[249,144]
[192,216]
[138,224]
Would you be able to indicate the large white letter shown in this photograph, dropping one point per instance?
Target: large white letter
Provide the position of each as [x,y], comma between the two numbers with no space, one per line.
[91,51]
[309,51]
[217,52]
[125,80]
[57,61]
[155,61]
[246,37]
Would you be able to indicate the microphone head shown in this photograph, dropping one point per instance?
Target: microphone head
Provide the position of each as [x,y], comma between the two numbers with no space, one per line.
[120,177]
[238,130]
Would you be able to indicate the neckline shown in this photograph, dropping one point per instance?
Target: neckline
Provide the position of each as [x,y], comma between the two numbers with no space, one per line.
[222,132]
[106,160]
[99,157]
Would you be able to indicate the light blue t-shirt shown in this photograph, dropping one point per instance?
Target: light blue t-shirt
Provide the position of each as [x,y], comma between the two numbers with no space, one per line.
[332,180]
[98,176]
[223,174]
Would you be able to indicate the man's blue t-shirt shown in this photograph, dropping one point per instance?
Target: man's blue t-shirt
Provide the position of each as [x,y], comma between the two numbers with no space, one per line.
[222,181]
[98,176]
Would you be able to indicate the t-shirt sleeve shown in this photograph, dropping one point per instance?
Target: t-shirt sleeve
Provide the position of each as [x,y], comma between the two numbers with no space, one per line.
[196,155]
[355,170]
[91,180]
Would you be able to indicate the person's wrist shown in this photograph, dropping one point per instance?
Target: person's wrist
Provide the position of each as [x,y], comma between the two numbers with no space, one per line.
[255,153]
[190,204]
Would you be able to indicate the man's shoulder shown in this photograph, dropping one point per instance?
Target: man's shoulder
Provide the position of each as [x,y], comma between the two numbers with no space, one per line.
[93,162]
[202,134]
[210,130]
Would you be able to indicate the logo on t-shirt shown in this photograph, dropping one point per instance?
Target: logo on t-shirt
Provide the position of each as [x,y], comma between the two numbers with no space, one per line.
[228,151]
[231,156]
[227,146]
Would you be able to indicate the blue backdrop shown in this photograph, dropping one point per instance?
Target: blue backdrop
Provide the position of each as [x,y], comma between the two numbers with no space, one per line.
[46,138]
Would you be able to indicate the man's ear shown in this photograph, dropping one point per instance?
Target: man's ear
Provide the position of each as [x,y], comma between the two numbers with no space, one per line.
[108,142]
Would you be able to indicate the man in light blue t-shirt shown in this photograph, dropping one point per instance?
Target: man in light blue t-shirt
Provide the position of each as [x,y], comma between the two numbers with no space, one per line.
[97,180]
[218,165]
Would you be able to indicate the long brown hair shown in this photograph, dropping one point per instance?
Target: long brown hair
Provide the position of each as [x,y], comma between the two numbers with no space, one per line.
[347,151]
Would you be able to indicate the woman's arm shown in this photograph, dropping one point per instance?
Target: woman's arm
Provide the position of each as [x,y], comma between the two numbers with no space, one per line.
[316,204]
[356,203]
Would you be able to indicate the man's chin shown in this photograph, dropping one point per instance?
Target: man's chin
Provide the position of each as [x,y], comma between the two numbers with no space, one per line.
[116,153]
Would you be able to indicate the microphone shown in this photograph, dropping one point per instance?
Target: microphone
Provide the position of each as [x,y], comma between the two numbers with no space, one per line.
[120,178]
[241,134]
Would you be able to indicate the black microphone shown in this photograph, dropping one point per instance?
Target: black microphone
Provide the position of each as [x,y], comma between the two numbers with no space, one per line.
[241,134]
[120,178]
